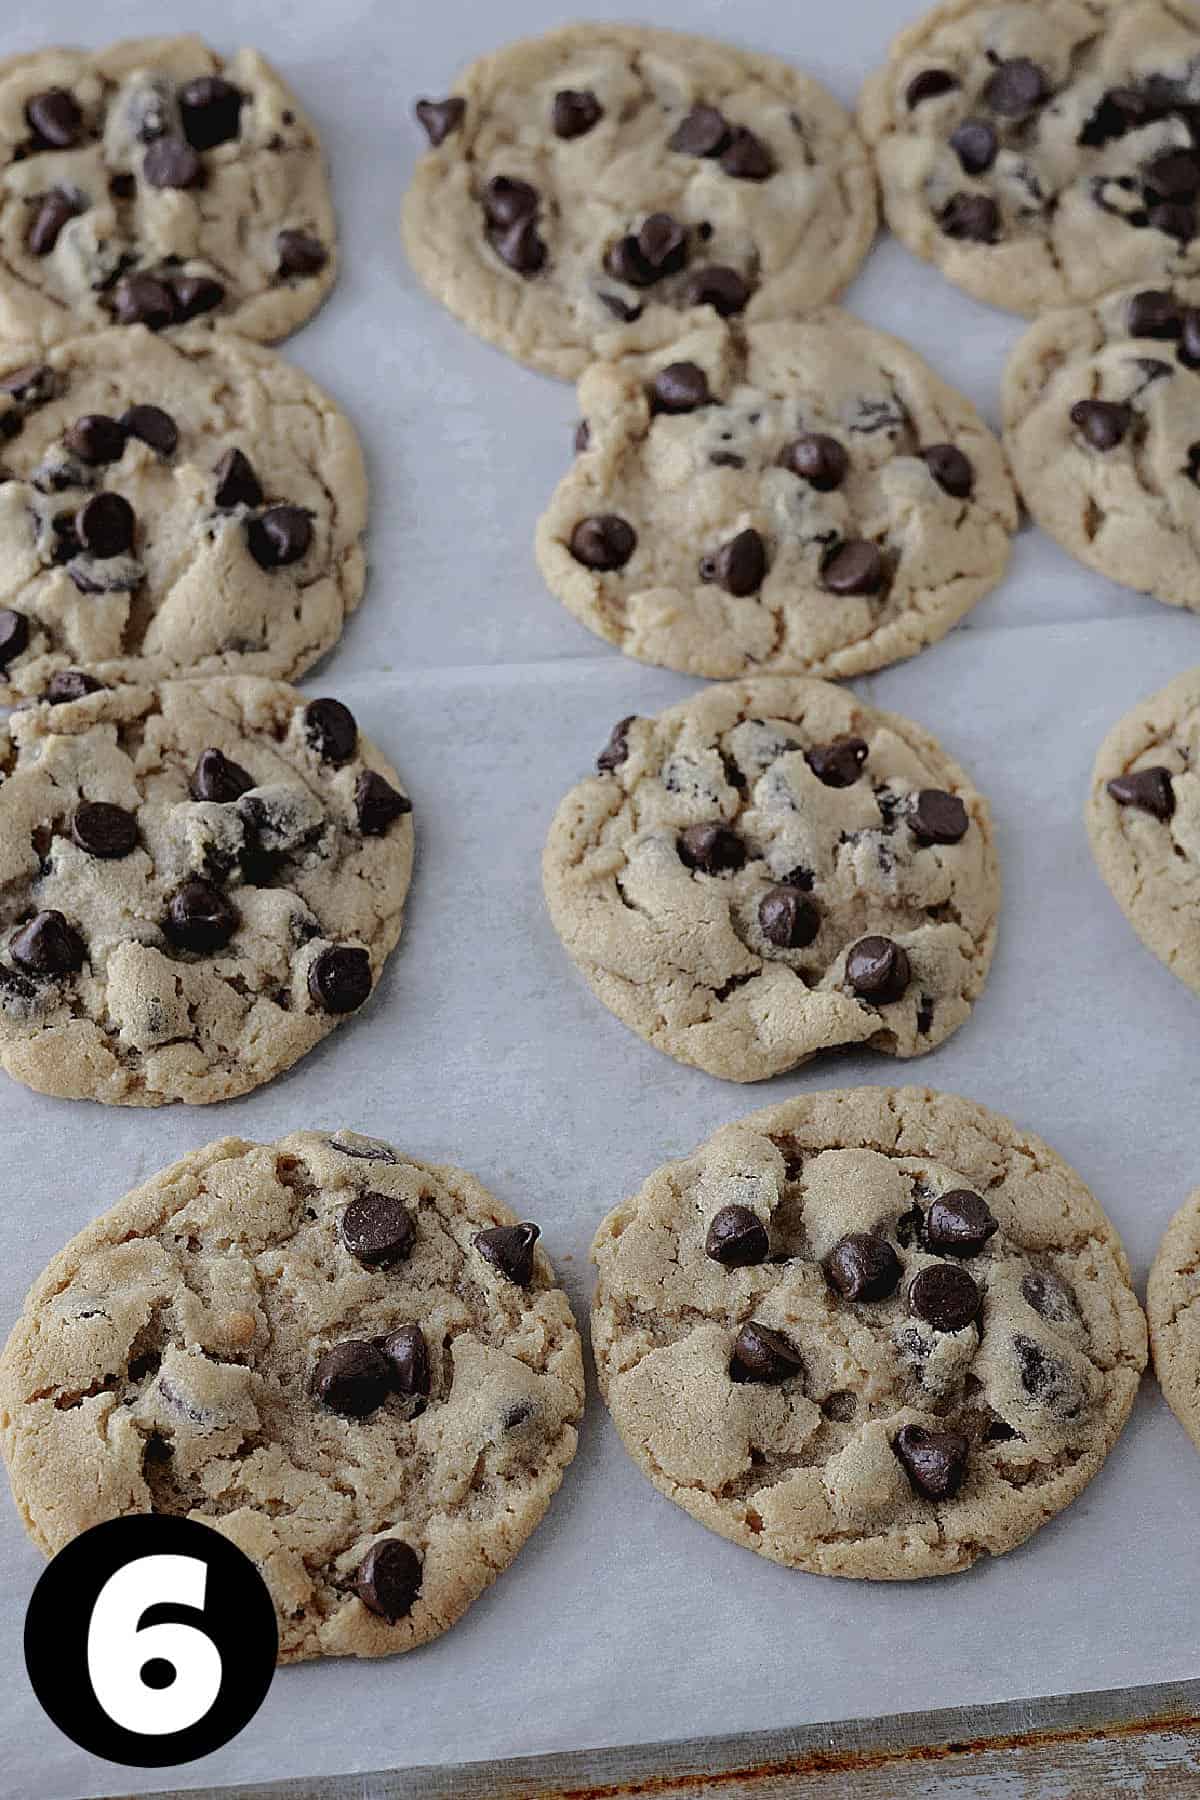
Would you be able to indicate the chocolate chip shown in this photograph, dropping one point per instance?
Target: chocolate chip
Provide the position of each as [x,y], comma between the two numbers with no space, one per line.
[620,309]
[760,1354]
[934,1461]
[945,1297]
[1174,218]
[959,1223]
[736,1238]
[1014,88]
[70,684]
[973,218]
[1175,175]
[1149,790]
[625,262]
[199,918]
[281,536]
[331,729]
[576,110]
[1189,338]
[1049,1297]
[817,459]
[509,1248]
[863,1267]
[1153,314]
[210,110]
[52,212]
[953,472]
[701,132]
[787,918]
[339,979]
[95,438]
[721,288]
[662,243]
[855,566]
[738,566]
[838,764]
[30,385]
[142,300]
[440,117]
[975,143]
[930,84]
[583,437]
[408,1354]
[617,747]
[14,634]
[938,818]
[378,1230]
[104,830]
[55,116]
[377,804]
[48,946]
[603,541]
[519,246]
[151,425]
[681,387]
[237,484]
[170,163]
[352,1379]
[711,849]
[1044,1378]
[105,525]
[746,157]
[300,253]
[217,777]
[389,1578]
[1104,423]
[194,295]
[878,970]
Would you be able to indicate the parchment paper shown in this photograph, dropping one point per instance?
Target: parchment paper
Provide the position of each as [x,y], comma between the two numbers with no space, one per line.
[623,1620]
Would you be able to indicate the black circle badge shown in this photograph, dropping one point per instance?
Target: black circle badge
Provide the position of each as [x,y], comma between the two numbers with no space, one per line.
[151,1640]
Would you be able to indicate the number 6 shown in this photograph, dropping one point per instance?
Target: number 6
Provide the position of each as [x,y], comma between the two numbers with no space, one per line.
[118,1650]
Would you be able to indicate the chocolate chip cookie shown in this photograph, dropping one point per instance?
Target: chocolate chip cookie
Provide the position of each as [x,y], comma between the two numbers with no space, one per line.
[1171,1305]
[875,1332]
[191,505]
[1043,151]
[585,189]
[772,869]
[199,881]
[156,183]
[354,1365]
[798,498]
[1101,426]
[1143,817]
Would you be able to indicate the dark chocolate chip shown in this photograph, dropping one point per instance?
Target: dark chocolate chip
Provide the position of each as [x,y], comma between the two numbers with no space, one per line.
[331,729]
[48,946]
[787,918]
[378,1230]
[711,849]
[237,484]
[953,472]
[760,1354]
[105,525]
[1175,219]
[1175,175]
[14,634]
[975,144]
[95,438]
[736,1238]
[70,684]
[353,1378]
[620,309]
[1044,1378]
[702,132]
[1049,1297]
[52,212]
[509,1248]
[617,747]
[838,764]
[217,777]
[746,158]
[863,1267]
[194,295]
[281,536]
[143,300]
[389,1579]
[56,118]
[855,566]
[200,918]
[440,117]
[210,111]
[377,803]
[151,425]
[104,830]
[930,84]
[170,163]
[818,459]
[945,1297]
[934,1461]
[938,817]
[583,436]
[575,111]
[408,1354]
[519,246]
[680,387]
[973,218]
[1153,313]
[1189,338]
[878,970]
[30,385]
[662,245]
[959,1223]
[604,541]
[1016,87]
[719,287]
[300,253]
[339,979]
[1149,790]
[1104,423]
[739,566]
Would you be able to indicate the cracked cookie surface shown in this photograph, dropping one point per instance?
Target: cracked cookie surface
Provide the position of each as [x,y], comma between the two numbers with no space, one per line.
[314,1347]
[155,181]
[794,498]
[1172,1294]
[586,188]
[773,869]
[1100,407]
[1044,151]
[191,505]
[870,1332]
[1143,819]
[197,883]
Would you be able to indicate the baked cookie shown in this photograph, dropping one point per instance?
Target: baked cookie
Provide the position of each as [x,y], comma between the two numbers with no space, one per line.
[1171,1296]
[1143,817]
[1043,151]
[354,1365]
[1100,408]
[801,498]
[154,183]
[875,1332]
[191,505]
[772,869]
[586,188]
[198,882]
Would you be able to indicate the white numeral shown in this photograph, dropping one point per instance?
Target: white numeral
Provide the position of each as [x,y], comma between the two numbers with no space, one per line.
[118,1650]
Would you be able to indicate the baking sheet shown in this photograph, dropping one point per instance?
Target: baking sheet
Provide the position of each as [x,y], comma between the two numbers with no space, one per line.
[623,1620]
